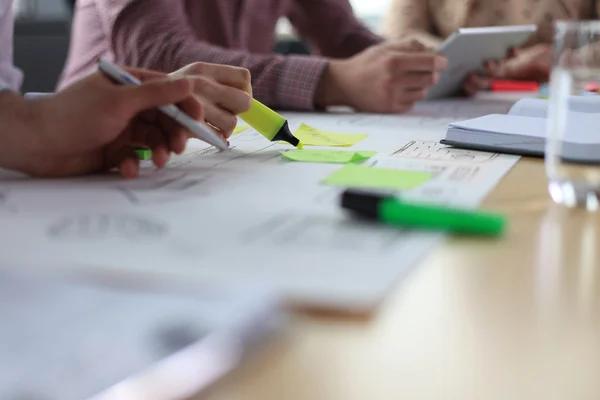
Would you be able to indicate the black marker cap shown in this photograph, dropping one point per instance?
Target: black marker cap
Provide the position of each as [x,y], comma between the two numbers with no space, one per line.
[284,134]
[362,203]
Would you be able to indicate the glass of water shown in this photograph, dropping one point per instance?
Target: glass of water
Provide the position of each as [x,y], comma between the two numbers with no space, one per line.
[573,127]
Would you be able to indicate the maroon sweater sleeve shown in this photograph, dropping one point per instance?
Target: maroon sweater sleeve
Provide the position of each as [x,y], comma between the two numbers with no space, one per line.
[332,27]
[157,35]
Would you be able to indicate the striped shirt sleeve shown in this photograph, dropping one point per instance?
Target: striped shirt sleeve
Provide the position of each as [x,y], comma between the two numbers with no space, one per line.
[157,35]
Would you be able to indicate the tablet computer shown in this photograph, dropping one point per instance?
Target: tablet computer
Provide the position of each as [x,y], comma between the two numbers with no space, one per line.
[468,48]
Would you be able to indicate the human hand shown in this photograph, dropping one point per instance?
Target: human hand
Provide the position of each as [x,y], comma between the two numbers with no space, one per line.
[95,125]
[478,81]
[533,63]
[387,78]
[475,83]
[222,90]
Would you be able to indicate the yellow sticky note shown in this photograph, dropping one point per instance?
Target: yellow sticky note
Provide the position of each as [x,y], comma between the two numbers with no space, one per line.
[328,156]
[310,136]
[239,129]
[361,176]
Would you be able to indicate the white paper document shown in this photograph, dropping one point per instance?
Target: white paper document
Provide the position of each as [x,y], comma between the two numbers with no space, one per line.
[69,338]
[247,214]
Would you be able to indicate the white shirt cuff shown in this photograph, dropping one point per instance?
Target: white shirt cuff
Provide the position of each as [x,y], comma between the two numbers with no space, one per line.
[4,87]
[36,96]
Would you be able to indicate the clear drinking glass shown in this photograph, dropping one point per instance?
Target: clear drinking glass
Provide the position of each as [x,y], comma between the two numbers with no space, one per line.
[573,131]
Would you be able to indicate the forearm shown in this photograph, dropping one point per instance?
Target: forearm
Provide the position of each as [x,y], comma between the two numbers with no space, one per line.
[393,31]
[428,39]
[17,121]
[141,38]
[278,81]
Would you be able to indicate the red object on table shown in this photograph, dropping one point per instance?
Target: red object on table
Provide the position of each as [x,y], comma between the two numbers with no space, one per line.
[499,85]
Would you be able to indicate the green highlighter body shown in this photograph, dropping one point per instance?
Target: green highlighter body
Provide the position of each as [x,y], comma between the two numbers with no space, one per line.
[144,153]
[392,211]
[269,124]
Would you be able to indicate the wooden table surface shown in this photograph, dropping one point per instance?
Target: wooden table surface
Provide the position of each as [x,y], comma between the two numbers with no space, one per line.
[515,318]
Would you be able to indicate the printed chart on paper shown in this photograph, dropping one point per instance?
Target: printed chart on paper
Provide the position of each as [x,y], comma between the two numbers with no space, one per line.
[249,215]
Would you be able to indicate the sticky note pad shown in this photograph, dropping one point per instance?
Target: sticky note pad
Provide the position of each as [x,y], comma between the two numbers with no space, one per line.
[143,153]
[361,176]
[239,129]
[328,156]
[310,136]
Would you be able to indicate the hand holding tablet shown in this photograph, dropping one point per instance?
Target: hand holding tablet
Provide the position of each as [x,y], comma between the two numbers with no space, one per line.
[469,48]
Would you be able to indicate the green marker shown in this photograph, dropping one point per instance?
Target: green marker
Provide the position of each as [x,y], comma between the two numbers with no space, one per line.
[269,124]
[393,211]
[144,153]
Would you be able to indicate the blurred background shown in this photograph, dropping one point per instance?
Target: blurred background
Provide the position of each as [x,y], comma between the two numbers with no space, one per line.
[42,37]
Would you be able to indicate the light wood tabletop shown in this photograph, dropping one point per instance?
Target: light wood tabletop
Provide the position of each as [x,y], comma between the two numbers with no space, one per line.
[515,318]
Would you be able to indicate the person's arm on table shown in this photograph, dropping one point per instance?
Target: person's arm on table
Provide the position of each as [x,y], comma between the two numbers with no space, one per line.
[94,126]
[365,72]
[534,62]
[411,19]
[13,114]
[378,76]
[141,30]
[386,78]
[530,64]
[158,35]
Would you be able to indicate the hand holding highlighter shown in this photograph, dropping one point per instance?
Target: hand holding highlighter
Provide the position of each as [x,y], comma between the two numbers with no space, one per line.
[269,124]
[196,128]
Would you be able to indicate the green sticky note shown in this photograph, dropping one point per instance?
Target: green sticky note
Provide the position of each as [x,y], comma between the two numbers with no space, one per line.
[310,136]
[328,156]
[143,153]
[361,176]
[239,129]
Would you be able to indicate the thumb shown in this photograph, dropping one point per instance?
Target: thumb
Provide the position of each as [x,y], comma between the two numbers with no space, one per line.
[512,52]
[155,93]
[410,45]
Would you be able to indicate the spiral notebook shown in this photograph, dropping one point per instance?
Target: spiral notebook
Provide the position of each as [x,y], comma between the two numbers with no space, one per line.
[523,130]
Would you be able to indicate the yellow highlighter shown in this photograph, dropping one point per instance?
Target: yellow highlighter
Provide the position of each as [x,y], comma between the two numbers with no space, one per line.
[269,124]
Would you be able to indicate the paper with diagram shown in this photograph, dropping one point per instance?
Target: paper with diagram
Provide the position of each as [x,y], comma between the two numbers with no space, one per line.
[250,214]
